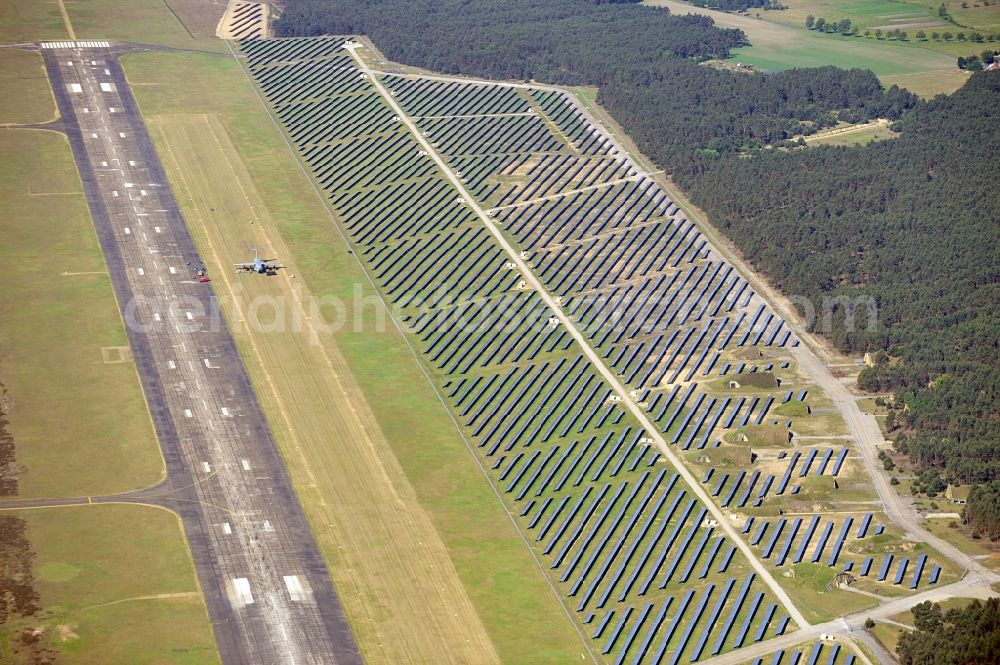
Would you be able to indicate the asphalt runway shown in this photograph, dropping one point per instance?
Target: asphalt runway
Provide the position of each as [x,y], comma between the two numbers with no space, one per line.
[269,595]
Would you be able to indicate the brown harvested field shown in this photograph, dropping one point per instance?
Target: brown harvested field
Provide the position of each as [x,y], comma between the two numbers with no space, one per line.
[402,594]
[929,84]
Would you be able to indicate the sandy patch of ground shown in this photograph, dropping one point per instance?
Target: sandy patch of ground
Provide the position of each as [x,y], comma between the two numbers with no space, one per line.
[243,20]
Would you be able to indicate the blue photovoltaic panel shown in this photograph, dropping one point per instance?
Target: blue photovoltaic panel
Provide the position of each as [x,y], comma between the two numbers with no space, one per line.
[901,571]
[884,570]
[814,653]
[692,622]
[613,637]
[918,571]
[737,606]
[863,527]
[713,616]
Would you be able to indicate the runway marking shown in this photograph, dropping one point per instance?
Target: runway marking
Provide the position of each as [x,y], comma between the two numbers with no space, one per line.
[156,315]
[241,589]
[188,414]
[141,271]
[225,413]
[246,465]
[226,529]
[207,467]
[171,364]
[295,590]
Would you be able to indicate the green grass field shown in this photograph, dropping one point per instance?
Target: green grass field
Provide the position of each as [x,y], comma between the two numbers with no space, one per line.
[423,453]
[140,21]
[808,589]
[859,136]
[775,47]
[23,72]
[80,424]
[30,20]
[116,586]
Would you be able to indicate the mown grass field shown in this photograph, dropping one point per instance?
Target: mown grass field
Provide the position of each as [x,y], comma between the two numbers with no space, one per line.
[30,20]
[117,587]
[27,98]
[960,538]
[808,588]
[80,424]
[140,21]
[854,136]
[386,480]
[775,47]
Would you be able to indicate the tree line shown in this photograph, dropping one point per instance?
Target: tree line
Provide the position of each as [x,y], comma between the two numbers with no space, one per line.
[911,223]
[960,636]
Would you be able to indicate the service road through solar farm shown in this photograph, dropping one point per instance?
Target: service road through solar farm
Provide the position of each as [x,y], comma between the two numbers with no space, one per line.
[680,476]
[604,361]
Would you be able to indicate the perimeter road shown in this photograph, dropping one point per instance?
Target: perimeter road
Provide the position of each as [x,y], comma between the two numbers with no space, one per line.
[868,436]
[588,351]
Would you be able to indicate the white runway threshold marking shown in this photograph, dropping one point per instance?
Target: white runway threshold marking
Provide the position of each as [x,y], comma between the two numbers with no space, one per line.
[241,591]
[295,590]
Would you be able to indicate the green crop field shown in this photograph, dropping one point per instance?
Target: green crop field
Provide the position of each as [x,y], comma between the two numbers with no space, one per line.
[116,586]
[77,413]
[776,47]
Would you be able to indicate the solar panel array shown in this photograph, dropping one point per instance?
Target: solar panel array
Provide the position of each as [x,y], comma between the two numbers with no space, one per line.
[819,653]
[628,545]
